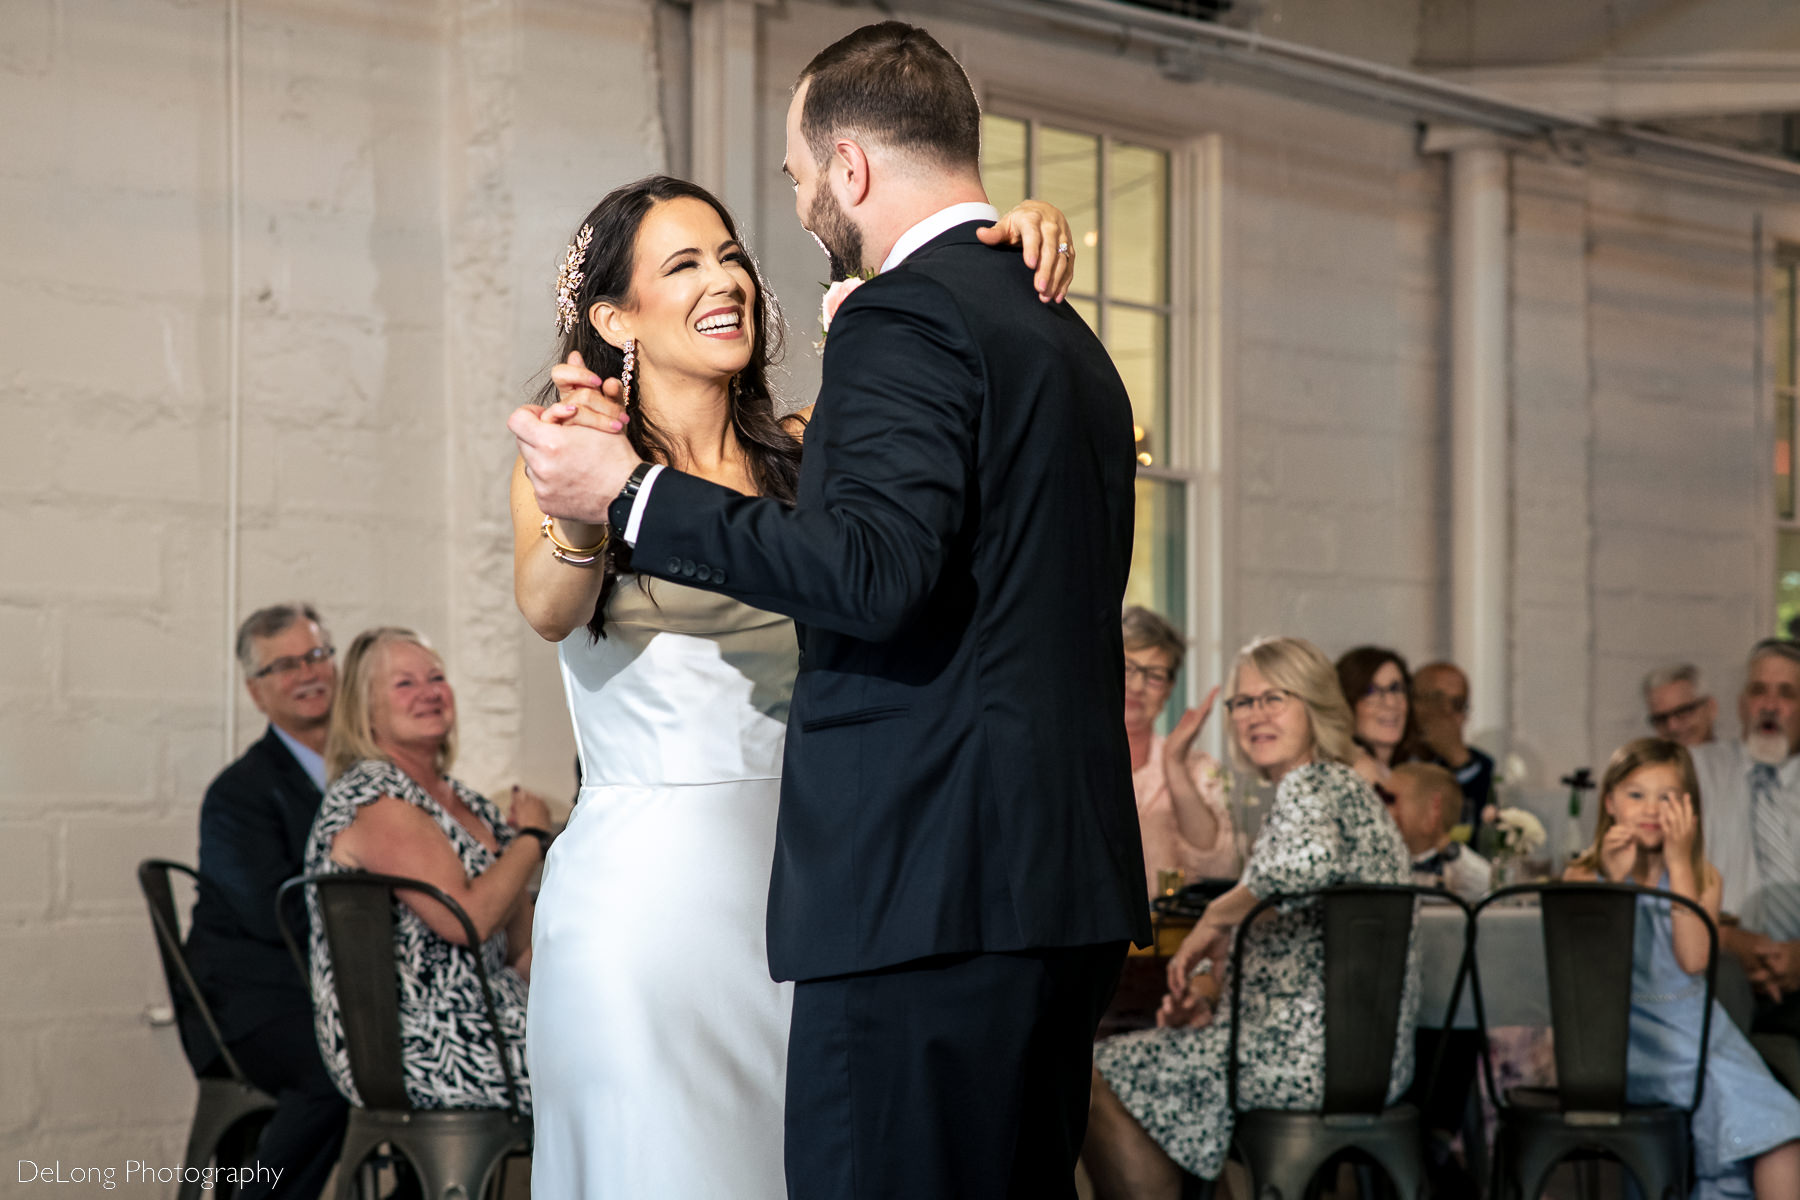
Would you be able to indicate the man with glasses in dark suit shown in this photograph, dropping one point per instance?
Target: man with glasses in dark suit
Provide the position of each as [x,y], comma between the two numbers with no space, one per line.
[253,828]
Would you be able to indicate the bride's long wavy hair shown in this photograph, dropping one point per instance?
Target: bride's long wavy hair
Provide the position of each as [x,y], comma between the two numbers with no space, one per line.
[773,452]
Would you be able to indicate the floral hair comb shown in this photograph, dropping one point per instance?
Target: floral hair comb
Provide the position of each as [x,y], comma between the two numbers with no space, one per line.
[569,279]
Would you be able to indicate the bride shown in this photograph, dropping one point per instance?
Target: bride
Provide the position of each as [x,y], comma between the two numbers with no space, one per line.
[656,1040]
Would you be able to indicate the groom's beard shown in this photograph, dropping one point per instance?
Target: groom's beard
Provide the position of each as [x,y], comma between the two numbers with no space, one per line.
[836,234]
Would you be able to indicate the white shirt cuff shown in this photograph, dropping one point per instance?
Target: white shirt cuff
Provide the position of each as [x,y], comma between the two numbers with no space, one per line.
[637,505]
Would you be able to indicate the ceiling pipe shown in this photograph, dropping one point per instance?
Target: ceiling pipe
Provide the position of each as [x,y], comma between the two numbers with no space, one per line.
[1417,95]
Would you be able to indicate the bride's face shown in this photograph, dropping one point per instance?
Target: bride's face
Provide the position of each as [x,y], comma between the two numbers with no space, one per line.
[693,296]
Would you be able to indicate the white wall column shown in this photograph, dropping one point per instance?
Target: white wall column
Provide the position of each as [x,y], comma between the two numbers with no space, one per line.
[724,106]
[1480,434]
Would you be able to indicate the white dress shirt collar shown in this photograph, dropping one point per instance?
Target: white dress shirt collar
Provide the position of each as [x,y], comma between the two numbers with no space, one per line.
[310,760]
[942,220]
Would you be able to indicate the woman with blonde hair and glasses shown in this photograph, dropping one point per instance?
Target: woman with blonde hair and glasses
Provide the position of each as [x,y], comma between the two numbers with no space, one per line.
[392,808]
[1159,1099]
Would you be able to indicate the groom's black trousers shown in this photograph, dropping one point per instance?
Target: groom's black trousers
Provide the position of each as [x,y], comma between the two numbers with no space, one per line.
[956,1076]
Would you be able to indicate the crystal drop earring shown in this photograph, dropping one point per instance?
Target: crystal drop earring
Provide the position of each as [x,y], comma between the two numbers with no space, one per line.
[626,374]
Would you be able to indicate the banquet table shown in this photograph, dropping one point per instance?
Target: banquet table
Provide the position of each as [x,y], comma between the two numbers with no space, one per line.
[1511,959]
[1509,953]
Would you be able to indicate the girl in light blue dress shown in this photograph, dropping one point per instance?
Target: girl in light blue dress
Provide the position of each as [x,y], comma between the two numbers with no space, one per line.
[1747,1128]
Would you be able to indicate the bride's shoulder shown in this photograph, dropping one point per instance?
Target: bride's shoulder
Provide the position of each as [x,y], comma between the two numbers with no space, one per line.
[797,421]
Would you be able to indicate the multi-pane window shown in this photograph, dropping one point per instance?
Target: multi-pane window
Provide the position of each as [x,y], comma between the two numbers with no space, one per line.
[1787,388]
[1116,193]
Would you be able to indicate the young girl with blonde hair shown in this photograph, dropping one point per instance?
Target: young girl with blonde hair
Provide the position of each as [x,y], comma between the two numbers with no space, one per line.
[1747,1128]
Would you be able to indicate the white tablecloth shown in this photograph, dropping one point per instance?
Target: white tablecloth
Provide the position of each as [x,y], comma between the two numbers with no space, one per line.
[1510,953]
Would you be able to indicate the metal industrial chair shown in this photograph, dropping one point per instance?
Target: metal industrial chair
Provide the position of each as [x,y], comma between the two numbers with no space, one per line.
[230,1112]
[1589,935]
[1368,929]
[456,1153]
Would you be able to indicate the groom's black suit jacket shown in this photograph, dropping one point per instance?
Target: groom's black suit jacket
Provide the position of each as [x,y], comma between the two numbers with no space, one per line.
[957,777]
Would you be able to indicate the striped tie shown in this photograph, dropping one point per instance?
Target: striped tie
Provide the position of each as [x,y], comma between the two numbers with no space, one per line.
[1776,859]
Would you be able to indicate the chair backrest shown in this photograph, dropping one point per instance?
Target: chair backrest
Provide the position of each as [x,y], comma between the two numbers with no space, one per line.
[184,992]
[356,911]
[1590,933]
[1367,931]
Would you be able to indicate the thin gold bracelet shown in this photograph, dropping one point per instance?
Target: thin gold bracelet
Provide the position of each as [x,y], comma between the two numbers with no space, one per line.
[575,556]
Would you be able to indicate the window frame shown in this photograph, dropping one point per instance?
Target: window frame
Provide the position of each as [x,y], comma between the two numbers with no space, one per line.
[1191,450]
[1782,409]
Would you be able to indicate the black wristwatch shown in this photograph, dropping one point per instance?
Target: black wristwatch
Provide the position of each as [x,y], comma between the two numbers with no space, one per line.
[618,513]
[544,836]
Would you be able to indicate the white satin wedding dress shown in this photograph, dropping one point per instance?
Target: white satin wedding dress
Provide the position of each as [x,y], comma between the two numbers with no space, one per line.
[656,1040]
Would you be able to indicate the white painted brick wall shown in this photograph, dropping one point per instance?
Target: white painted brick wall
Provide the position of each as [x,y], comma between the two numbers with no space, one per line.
[1676,459]
[410,173]
[1552,625]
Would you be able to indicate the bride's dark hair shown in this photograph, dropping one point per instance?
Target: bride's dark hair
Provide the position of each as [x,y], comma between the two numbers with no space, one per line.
[773,452]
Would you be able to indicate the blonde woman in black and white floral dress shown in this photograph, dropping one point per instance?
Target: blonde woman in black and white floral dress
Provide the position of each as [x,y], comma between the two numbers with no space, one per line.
[1159,1100]
[392,809]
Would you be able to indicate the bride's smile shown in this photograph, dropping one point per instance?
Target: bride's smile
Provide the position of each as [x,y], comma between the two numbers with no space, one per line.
[722,323]
[692,301]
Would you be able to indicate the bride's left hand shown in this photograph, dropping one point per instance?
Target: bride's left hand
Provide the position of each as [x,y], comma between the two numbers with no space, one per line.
[1038,229]
[583,398]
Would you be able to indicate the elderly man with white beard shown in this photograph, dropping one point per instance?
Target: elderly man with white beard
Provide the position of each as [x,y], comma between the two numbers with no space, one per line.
[1750,800]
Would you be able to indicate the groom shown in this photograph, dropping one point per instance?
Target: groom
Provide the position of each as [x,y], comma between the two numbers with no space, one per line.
[957,867]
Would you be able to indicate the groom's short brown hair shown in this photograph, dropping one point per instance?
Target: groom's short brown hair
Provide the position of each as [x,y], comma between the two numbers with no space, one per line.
[894,84]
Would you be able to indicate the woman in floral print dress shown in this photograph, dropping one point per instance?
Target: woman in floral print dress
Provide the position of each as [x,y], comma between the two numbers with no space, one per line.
[1159,1101]
[393,809]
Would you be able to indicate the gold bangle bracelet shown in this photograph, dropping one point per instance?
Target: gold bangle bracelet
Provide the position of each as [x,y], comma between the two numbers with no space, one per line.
[577,556]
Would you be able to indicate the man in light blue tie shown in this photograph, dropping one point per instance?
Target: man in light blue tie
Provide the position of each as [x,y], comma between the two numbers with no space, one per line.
[1750,798]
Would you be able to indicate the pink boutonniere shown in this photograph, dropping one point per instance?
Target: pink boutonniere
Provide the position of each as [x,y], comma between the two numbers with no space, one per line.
[835,295]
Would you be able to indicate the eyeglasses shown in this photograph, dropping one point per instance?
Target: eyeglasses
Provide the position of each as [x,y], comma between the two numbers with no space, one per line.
[1160,677]
[1271,702]
[289,663]
[1660,720]
[1396,690]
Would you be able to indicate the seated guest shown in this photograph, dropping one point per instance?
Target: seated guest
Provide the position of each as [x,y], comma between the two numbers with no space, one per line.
[1746,1132]
[392,808]
[1158,1101]
[1180,797]
[1441,707]
[253,826]
[1426,805]
[1678,706]
[1378,688]
[1752,826]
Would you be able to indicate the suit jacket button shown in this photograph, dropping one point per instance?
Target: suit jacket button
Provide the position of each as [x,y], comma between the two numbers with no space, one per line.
[718,575]
[687,569]
[674,566]
[703,573]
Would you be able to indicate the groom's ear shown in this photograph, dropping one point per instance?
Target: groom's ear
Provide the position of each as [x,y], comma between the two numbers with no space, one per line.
[609,321]
[848,172]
